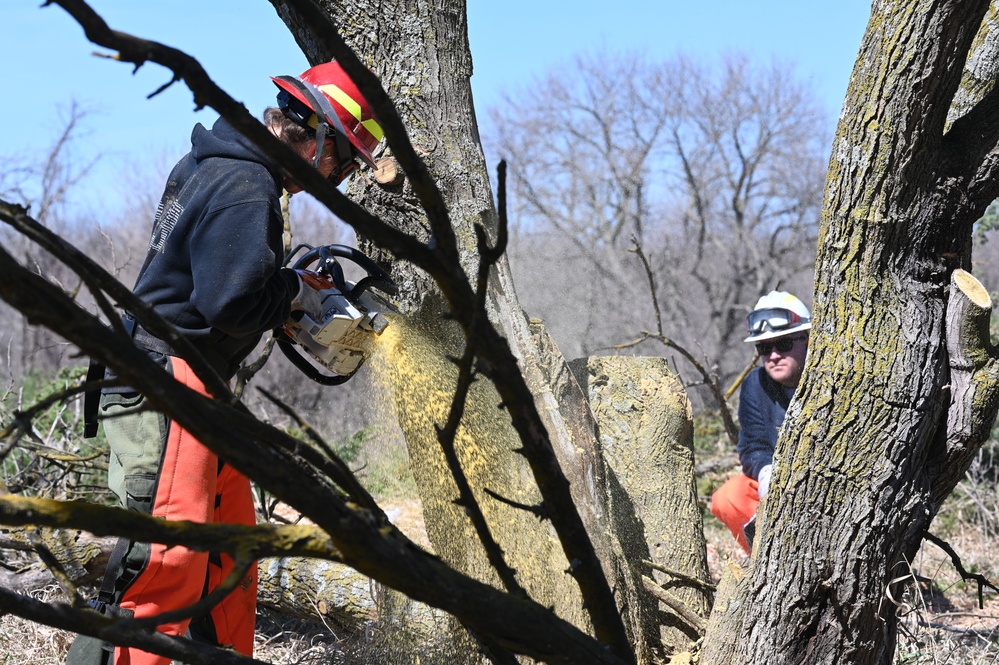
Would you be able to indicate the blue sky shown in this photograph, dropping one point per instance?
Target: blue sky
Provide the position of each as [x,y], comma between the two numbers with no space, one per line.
[46,61]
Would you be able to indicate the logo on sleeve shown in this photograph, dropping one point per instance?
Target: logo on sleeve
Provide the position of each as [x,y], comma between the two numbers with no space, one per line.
[167,215]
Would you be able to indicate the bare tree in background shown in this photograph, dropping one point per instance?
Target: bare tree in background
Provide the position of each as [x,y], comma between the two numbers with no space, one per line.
[716,172]
[43,185]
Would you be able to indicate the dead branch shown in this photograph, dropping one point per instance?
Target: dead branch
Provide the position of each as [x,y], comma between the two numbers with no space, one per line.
[686,579]
[681,611]
[955,559]
[336,469]
[710,379]
[974,381]
[261,540]
[446,435]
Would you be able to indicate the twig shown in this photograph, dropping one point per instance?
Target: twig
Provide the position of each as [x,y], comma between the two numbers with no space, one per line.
[703,585]
[334,467]
[742,376]
[241,566]
[446,435]
[682,612]
[981,633]
[246,372]
[955,559]
[710,378]
[538,510]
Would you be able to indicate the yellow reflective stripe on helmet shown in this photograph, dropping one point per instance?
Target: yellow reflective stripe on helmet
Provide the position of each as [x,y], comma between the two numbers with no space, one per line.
[374,128]
[353,108]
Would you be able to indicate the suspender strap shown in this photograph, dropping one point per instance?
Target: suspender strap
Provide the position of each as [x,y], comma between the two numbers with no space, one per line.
[96,372]
[106,594]
[92,399]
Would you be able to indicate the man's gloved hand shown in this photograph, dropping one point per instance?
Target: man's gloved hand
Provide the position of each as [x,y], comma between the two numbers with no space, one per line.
[764,479]
[309,298]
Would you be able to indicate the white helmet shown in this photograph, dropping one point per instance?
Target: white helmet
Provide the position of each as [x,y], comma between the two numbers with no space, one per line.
[777,314]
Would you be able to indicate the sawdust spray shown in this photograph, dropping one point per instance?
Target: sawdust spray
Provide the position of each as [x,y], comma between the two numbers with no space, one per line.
[411,361]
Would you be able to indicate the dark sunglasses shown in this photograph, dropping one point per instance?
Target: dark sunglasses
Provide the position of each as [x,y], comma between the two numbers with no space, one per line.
[783,345]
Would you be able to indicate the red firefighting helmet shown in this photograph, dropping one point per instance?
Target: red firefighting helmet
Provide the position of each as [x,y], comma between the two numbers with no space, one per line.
[324,98]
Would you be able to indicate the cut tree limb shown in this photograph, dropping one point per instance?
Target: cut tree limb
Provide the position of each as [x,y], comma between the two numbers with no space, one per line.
[974,380]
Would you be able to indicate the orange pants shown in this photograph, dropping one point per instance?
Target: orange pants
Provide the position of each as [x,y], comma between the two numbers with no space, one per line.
[190,485]
[734,503]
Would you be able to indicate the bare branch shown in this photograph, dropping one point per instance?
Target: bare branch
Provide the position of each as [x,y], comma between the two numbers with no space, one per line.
[955,559]
[695,622]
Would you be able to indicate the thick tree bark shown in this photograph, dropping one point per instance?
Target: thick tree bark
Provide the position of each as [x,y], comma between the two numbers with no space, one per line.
[645,428]
[868,451]
[430,87]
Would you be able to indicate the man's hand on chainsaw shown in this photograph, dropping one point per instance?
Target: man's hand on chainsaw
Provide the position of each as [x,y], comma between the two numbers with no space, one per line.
[309,298]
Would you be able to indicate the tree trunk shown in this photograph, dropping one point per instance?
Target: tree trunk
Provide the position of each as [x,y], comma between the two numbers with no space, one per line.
[868,450]
[646,433]
[404,44]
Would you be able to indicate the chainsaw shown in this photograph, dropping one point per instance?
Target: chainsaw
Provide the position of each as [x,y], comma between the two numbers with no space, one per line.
[338,338]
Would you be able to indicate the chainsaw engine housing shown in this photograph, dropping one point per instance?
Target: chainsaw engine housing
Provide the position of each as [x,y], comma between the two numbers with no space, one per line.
[340,335]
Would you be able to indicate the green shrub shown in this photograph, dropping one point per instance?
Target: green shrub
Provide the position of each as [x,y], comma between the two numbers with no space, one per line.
[51,457]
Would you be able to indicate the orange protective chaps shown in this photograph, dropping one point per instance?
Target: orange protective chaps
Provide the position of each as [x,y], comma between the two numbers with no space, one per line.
[734,503]
[190,484]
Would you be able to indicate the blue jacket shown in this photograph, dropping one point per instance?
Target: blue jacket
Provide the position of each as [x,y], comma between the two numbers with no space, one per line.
[762,405]
[215,254]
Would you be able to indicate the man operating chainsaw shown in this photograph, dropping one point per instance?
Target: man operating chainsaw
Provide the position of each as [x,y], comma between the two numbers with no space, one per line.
[778,326]
[214,270]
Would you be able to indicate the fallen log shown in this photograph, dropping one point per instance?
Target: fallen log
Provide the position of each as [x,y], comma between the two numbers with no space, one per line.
[295,587]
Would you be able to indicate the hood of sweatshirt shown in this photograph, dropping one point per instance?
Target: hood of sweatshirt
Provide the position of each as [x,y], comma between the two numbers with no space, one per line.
[224,141]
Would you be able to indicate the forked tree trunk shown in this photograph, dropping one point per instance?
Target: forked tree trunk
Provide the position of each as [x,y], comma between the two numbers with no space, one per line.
[879,431]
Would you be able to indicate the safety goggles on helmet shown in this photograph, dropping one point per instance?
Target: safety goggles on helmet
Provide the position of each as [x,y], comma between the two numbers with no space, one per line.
[773,319]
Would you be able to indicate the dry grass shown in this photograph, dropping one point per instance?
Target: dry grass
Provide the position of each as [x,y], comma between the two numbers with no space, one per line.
[941,624]
[279,640]
[26,642]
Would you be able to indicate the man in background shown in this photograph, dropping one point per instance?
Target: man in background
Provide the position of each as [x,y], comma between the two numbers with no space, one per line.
[778,326]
